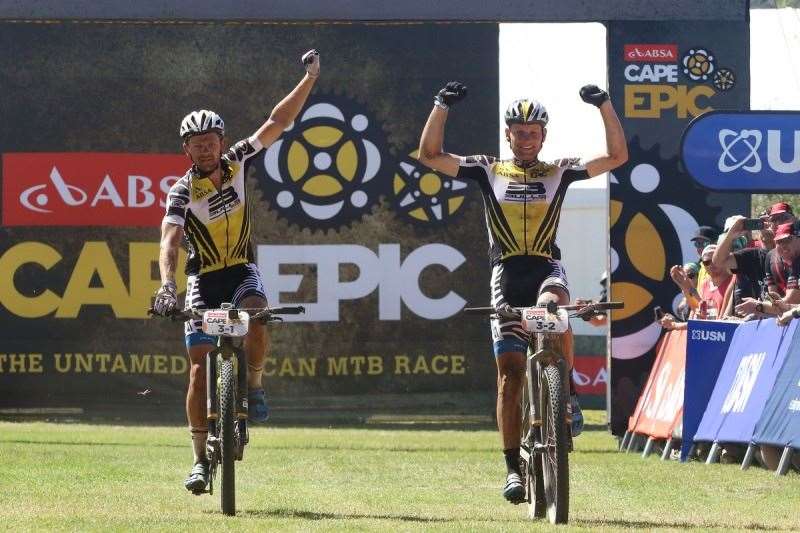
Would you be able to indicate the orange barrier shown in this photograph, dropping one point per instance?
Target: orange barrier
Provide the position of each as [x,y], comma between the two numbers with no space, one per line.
[660,406]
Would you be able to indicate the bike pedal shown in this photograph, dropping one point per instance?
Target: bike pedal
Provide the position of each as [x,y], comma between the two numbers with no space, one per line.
[201,492]
[539,448]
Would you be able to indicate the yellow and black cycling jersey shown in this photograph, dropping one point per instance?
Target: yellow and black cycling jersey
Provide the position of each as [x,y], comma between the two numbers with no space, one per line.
[216,223]
[522,205]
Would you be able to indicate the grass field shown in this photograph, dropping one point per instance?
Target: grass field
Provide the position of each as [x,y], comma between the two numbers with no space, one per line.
[106,478]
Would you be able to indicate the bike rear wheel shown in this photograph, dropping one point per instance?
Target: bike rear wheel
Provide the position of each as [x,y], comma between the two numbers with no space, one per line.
[227,420]
[555,437]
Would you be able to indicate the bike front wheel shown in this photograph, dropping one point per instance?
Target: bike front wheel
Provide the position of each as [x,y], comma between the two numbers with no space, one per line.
[555,437]
[227,415]
[531,462]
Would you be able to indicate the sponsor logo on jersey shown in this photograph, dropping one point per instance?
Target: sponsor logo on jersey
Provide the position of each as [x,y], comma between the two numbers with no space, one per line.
[221,204]
[87,189]
[525,192]
[651,53]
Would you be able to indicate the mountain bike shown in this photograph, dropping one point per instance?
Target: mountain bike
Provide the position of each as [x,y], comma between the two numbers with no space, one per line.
[226,389]
[546,429]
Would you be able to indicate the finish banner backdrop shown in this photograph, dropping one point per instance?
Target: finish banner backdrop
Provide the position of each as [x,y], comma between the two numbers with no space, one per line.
[662,74]
[383,252]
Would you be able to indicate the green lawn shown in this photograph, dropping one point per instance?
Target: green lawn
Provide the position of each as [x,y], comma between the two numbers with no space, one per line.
[101,478]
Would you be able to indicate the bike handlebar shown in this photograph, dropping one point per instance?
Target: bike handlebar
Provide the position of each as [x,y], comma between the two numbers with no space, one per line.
[597,306]
[255,313]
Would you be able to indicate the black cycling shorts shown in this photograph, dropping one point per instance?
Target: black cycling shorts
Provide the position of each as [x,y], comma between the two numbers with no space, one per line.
[212,289]
[518,281]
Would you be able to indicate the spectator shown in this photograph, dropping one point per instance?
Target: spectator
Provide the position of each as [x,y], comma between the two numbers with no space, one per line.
[777,214]
[739,243]
[690,270]
[703,236]
[776,270]
[780,213]
[709,294]
[600,318]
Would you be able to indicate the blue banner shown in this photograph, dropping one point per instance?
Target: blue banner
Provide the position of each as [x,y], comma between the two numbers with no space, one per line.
[706,346]
[744,151]
[748,374]
[780,422]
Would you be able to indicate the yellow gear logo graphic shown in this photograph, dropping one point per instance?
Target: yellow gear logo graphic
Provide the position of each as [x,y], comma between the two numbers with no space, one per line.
[424,196]
[323,173]
[698,64]
[650,224]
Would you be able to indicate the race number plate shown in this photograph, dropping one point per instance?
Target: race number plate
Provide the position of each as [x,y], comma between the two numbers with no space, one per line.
[216,322]
[538,320]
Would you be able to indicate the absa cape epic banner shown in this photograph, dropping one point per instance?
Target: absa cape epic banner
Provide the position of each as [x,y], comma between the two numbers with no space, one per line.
[662,74]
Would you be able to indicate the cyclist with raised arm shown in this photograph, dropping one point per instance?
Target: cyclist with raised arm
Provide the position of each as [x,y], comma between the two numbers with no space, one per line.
[208,208]
[522,198]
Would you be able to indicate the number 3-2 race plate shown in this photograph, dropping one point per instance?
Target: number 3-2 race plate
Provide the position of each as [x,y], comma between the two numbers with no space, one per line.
[538,320]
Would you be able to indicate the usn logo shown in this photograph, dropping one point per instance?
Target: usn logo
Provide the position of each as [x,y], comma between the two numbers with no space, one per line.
[705,335]
[754,151]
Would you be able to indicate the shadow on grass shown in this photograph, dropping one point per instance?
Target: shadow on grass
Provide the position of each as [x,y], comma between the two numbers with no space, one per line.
[645,524]
[91,443]
[401,449]
[315,515]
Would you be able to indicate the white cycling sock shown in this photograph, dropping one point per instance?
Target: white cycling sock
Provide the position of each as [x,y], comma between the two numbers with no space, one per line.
[199,445]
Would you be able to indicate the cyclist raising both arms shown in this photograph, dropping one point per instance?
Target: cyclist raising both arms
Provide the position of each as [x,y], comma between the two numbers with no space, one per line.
[522,198]
[210,208]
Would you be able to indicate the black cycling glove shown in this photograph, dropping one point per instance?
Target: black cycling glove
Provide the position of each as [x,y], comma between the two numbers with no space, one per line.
[451,93]
[592,94]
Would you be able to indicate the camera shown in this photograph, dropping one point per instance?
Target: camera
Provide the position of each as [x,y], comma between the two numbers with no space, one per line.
[751,224]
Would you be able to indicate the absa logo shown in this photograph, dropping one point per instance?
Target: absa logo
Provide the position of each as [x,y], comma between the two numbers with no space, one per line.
[87,189]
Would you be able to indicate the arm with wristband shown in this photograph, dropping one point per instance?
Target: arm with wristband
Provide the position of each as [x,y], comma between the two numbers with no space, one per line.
[286,111]
[431,151]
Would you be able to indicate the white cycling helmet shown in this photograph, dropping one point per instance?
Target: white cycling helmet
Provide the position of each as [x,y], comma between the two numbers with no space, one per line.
[199,122]
[526,111]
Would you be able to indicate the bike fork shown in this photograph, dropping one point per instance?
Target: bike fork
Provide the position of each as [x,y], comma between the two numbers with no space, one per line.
[241,398]
[211,391]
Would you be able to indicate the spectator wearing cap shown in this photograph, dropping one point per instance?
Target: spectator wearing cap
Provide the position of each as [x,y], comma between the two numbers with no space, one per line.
[709,295]
[744,241]
[702,237]
[774,216]
[776,270]
[780,213]
[690,270]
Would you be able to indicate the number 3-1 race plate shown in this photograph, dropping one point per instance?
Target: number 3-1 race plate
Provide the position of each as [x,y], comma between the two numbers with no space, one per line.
[217,322]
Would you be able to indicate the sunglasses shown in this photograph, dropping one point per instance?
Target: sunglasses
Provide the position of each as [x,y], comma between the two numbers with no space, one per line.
[780,218]
[701,243]
[707,262]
